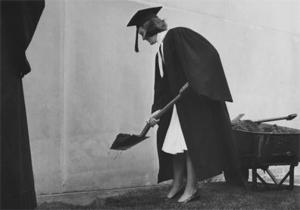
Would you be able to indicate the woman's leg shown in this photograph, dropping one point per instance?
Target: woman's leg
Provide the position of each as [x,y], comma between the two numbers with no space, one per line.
[191,183]
[178,173]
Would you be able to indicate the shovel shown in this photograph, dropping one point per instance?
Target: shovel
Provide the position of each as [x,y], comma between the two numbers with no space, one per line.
[125,141]
[288,117]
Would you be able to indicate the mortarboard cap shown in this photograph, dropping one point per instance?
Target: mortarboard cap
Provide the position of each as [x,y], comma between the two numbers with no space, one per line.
[139,18]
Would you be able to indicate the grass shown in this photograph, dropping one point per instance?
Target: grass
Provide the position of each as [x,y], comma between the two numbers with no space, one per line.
[212,196]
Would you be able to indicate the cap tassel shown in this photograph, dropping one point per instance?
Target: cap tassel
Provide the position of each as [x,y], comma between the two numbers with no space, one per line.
[136,47]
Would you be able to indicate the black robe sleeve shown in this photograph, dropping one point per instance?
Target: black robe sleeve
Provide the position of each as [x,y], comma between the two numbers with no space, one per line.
[201,64]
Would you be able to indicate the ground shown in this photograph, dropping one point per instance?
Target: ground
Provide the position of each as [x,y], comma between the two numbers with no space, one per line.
[217,195]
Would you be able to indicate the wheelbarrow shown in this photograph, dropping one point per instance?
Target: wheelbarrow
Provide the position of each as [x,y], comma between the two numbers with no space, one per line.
[261,149]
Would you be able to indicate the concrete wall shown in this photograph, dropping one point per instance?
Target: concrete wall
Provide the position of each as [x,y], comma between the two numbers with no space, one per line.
[87,84]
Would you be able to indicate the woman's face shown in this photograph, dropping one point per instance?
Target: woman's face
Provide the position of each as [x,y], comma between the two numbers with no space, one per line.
[152,39]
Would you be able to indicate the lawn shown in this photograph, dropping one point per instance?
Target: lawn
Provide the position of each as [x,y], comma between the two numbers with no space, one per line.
[212,196]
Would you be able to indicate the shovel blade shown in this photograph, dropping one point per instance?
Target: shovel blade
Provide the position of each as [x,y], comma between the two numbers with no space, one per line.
[126,141]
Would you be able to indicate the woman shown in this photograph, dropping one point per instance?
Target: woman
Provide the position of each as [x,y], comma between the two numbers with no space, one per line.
[194,140]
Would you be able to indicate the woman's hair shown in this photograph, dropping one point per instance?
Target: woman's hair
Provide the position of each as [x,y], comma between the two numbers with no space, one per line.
[154,26]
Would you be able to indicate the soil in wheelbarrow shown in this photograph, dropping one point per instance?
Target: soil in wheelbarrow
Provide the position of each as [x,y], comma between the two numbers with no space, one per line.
[248,125]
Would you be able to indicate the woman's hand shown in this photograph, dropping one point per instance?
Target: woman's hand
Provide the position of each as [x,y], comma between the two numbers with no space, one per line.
[153,121]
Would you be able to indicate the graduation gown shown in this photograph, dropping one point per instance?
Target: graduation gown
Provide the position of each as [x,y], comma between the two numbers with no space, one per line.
[18,22]
[202,112]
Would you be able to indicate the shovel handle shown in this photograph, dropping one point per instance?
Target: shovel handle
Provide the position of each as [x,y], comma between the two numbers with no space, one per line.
[171,103]
[145,130]
[165,109]
[289,117]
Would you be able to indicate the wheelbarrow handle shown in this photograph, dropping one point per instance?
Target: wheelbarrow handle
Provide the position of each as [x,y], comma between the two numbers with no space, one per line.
[166,108]
[289,117]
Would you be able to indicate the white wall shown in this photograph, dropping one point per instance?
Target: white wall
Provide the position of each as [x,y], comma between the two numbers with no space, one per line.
[87,84]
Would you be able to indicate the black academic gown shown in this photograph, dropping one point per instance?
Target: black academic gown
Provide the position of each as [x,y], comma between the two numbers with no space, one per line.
[18,22]
[202,112]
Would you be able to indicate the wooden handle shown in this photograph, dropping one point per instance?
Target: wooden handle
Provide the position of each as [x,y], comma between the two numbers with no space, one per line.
[289,117]
[171,103]
[145,130]
[163,110]
[184,87]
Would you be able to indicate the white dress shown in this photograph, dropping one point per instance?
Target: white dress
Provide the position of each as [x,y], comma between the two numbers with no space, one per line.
[174,141]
